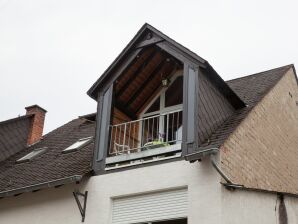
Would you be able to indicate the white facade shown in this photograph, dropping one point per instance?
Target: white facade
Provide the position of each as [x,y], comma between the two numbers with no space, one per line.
[208,200]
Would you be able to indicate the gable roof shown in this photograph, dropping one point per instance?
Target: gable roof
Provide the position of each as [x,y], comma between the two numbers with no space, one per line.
[160,38]
[53,165]
[129,47]
[14,135]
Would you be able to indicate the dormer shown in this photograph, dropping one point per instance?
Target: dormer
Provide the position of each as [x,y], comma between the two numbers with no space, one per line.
[157,101]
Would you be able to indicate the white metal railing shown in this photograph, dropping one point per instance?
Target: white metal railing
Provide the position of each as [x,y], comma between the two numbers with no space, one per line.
[150,132]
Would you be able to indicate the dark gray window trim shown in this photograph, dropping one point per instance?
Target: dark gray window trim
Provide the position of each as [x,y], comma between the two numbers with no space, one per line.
[190,126]
[104,111]
[190,109]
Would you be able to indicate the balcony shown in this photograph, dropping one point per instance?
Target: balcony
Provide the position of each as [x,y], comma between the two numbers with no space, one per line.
[154,136]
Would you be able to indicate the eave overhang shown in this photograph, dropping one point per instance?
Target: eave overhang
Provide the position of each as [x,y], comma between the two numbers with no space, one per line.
[39,186]
[135,45]
[175,49]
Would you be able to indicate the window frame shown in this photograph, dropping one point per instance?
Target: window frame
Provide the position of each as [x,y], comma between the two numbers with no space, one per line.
[162,108]
[27,157]
[161,94]
[70,148]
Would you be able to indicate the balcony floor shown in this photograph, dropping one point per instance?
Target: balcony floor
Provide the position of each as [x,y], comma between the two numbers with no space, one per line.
[143,154]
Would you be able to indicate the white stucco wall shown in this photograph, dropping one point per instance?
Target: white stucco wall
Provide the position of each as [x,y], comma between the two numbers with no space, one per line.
[58,205]
[241,206]
[209,202]
[292,209]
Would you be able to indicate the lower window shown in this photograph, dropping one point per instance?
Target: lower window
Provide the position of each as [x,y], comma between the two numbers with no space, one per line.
[165,207]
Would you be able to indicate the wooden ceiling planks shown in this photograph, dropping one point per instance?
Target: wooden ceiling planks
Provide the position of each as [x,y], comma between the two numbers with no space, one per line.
[152,88]
[141,81]
[123,79]
[137,82]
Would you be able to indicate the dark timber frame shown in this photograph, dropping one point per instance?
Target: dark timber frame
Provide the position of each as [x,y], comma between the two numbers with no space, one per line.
[81,207]
[102,90]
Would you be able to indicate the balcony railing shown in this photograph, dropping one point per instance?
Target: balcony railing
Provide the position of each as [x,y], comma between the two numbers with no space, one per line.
[150,132]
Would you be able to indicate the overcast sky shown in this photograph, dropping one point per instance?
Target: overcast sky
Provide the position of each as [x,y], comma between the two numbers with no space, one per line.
[51,52]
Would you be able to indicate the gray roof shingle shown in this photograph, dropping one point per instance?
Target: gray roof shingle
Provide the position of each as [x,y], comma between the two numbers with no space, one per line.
[251,89]
[53,164]
[14,135]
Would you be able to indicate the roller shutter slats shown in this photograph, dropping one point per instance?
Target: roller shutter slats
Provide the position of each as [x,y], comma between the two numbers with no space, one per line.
[150,207]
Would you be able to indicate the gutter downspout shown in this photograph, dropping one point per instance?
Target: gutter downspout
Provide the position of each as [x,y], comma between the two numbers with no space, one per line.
[212,152]
[222,174]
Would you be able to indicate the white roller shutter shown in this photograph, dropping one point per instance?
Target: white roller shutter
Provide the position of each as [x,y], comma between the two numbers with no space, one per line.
[150,207]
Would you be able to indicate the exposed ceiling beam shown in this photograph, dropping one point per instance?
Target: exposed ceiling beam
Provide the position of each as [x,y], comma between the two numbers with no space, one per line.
[134,75]
[152,92]
[118,70]
[146,81]
[149,42]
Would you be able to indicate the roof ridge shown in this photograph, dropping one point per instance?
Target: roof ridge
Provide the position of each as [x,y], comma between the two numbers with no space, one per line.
[15,119]
[181,45]
[259,73]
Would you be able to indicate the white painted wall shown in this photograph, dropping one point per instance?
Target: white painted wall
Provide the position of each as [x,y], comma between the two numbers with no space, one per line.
[209,202]
[58,205]
[292,209]
[241,206]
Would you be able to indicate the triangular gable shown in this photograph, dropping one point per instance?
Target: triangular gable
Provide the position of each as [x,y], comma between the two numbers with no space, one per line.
[148,36]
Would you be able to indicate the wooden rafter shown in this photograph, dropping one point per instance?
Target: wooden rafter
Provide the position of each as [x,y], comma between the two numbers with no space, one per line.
[139,69]
[154,91]
[146,81]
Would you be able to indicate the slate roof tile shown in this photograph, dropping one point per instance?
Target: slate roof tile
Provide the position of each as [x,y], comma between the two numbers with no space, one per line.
[53,164]
[13,135]
[251,89]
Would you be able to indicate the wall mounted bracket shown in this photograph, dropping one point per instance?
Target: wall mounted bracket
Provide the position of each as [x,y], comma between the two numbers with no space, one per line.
[82,209]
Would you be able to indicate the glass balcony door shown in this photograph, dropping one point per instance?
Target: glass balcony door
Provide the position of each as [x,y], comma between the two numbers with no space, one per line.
[167,106]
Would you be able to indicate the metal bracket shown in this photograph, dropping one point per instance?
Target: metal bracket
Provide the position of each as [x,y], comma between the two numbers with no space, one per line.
[82,209]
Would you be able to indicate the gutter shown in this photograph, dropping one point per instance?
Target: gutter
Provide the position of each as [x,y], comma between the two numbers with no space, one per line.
[222,174]
[37,187]
[212,152]
[229,184]
[192,157]
[242,187]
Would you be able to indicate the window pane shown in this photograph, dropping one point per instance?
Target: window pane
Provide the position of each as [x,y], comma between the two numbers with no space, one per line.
[174,94]
[173,127]
[154,106]
[32,154]
[78,144]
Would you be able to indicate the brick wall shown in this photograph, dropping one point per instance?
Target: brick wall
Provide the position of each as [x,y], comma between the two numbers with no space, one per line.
[36,129]
[263,151]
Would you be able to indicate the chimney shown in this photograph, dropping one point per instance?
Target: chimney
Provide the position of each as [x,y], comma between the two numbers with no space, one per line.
[37,124]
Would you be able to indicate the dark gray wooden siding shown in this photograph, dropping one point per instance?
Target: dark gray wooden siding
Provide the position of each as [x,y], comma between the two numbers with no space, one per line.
[213,108]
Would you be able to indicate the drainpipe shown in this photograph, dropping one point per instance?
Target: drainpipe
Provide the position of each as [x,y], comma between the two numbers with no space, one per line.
[212,152]
[214,164]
